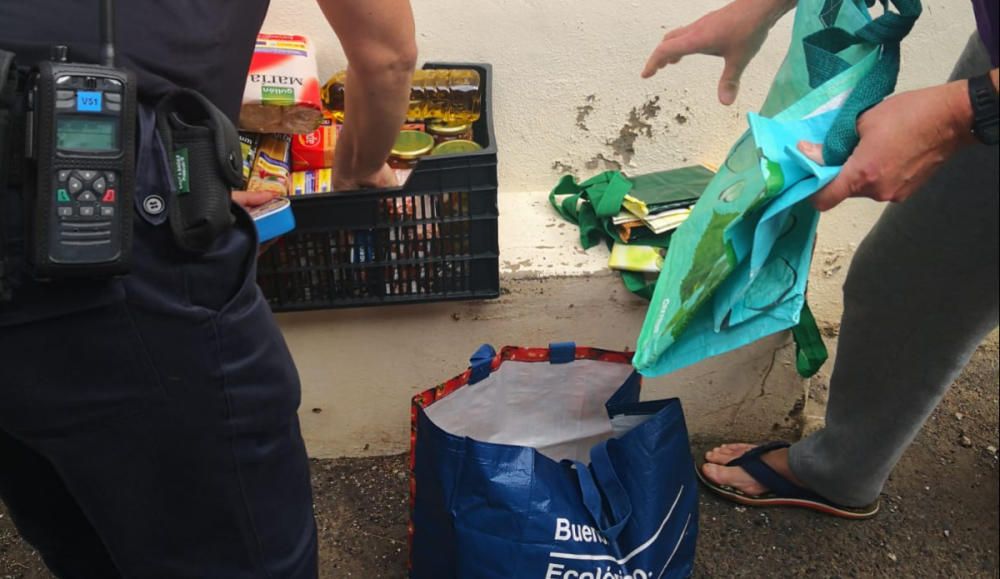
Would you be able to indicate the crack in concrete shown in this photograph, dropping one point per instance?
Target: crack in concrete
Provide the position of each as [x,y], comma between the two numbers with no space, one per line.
[763,384]
[770,368]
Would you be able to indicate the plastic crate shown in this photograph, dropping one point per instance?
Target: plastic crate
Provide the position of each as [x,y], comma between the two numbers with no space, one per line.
[433,239]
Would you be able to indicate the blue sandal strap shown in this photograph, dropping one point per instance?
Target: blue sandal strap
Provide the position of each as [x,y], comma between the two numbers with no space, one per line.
[754,465]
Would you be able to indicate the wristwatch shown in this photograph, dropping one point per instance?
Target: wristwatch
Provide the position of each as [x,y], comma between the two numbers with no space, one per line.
[985,104]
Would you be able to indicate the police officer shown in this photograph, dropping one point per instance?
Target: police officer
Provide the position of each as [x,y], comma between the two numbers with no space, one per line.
[148,422]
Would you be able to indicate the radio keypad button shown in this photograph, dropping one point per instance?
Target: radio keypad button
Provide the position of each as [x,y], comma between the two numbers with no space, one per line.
[75,185]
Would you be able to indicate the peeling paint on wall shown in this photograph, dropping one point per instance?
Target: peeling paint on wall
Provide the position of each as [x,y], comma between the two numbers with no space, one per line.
[638,124]
[582,112]
[600,162]
[563,168]
[622,148]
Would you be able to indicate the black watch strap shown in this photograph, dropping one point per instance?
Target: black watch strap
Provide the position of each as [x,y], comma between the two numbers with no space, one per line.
[985,109]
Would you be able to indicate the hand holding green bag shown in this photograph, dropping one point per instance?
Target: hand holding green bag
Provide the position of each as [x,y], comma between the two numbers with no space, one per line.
[736,270]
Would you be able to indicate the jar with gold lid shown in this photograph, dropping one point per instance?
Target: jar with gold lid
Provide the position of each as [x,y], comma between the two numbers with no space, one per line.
[444,132]
[410,146]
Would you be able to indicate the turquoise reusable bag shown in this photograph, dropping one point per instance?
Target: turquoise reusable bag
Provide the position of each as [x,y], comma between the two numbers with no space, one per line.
[736,270]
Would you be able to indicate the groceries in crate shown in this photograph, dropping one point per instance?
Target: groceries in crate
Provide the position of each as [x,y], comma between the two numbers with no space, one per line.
[282,92]
[291,159]
[314,150]
[456,147]
[435,237]
[444,104]
[409,147]
[450,95]
[312,181]
[248,149]
[443,131]
[271,169]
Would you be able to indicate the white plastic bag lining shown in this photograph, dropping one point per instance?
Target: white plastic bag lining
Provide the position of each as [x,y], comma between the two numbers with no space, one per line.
[557,409]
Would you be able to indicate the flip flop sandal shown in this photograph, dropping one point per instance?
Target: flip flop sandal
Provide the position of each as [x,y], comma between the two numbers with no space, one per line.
[783,493]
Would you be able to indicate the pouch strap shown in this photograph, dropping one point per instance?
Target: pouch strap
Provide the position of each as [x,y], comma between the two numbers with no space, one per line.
[189,107]
[203,148]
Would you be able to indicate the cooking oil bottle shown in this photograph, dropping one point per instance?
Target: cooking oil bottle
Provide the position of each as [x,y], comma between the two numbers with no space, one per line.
[449,95]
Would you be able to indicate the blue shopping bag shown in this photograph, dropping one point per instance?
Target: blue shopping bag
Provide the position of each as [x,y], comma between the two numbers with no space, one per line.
[543,463]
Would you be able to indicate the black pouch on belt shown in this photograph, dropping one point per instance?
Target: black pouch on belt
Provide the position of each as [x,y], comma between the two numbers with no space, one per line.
[203,148]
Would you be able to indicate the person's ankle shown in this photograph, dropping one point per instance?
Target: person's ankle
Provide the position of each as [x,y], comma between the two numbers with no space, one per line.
[779,461]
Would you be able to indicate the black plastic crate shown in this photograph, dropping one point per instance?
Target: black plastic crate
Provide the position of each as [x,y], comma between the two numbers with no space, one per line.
[433,239]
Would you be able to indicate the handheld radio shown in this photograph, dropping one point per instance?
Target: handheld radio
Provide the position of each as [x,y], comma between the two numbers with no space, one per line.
[81,150]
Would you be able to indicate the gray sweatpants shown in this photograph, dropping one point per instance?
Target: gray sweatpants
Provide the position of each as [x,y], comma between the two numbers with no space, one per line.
[920,296]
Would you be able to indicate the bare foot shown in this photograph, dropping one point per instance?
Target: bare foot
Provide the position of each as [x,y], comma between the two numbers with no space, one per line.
[733,476]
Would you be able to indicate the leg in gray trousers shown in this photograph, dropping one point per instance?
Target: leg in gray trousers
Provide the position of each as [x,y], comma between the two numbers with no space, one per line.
[920,296]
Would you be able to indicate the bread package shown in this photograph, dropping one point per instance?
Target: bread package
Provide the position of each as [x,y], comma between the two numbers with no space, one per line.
[282,90]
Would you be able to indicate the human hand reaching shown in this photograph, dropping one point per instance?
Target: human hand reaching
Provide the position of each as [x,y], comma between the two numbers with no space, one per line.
[735,32]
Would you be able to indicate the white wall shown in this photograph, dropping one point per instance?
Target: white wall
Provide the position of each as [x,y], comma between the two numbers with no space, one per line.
[552,57]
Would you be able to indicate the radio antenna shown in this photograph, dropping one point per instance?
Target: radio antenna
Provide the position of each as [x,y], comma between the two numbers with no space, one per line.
[107,16]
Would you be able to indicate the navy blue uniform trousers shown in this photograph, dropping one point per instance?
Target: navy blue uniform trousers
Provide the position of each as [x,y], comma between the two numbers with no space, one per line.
[148,424]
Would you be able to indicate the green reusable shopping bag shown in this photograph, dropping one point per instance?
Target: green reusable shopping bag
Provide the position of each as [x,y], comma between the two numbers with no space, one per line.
[592,204]
[736,270]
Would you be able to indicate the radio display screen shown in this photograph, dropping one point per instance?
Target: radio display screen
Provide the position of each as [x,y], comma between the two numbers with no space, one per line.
[87,133]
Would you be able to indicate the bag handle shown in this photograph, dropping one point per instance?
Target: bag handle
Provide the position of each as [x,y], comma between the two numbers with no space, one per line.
[821,48]
[562,352]
[480,363]
[600,485]
[606,191]
[810,351]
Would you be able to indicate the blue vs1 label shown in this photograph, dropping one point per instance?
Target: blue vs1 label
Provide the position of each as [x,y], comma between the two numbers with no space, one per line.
[88,101]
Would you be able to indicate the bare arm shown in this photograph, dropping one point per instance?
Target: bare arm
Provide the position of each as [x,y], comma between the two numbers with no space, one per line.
[379,41]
